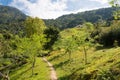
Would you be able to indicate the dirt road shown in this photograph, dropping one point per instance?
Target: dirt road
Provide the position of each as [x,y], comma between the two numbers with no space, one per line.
[53,75]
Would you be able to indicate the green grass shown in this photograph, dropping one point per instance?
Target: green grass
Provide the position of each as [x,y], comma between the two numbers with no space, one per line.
[99,61]
[41,71]
[102,63]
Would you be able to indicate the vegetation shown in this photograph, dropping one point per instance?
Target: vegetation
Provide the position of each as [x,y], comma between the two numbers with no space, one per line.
[11,20]
[115,3]
[104,15]
[107,35]
[24,72]
[87,50]
[22,48]
[101,64]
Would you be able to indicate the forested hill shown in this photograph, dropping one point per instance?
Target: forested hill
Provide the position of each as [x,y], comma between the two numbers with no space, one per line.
[10,19]
[9,14]
[72,20]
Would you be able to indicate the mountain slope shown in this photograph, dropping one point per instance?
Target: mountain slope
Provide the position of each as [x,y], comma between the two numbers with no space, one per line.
[10,19]
[10,14]
[102,63]
[71,20]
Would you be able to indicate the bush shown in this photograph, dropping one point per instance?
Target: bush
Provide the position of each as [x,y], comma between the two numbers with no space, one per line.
[108,35]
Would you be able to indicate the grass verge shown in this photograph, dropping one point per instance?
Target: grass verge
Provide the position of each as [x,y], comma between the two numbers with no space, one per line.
[41,72]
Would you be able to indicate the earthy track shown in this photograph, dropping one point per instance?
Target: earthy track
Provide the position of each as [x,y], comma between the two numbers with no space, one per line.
[53,75]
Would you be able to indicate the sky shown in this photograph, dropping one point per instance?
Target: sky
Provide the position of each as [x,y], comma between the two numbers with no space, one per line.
[51,9]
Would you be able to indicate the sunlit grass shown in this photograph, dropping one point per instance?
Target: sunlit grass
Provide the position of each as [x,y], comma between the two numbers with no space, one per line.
[98,60]
[41,72]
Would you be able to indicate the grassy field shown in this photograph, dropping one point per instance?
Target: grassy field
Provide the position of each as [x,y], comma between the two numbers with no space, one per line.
[41,71]
[100,62]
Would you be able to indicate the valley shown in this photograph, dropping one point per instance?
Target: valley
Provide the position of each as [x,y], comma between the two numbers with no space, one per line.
[80,46]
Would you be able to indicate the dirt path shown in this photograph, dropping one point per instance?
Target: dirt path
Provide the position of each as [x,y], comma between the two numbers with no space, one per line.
[53,75]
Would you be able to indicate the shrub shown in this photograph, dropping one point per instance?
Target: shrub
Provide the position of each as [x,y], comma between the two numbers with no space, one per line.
[108,35]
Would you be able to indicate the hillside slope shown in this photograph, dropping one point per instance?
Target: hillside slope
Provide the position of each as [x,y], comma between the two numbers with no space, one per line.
[11,19]
[42,72]
[9,14]
[71,20]
[102,63]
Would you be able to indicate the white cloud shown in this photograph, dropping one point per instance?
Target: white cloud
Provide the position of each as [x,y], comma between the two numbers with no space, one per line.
[101,1]
[74,0]
[46,9]
[42,8]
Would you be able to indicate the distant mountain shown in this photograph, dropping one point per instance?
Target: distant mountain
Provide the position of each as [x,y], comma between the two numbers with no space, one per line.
[11,19]
[72,20]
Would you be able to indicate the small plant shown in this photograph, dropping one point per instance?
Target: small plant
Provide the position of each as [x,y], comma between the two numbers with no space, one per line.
[115,44]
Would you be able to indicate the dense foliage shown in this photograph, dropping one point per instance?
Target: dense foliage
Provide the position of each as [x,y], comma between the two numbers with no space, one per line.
[23,39]
[78,56]
[107,35]
[72,20]
[52,35]
[11,20]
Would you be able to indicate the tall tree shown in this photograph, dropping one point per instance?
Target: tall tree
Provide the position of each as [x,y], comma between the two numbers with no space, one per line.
[31,47]
[34,26]
[33,43]
[52,35]
[70,46]
[84,38]
[116,4]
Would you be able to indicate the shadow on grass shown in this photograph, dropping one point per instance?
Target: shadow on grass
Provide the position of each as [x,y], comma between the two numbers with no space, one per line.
[67,77]
[103,47]
[61,64]
[55,57]
[21,73]
[71,76]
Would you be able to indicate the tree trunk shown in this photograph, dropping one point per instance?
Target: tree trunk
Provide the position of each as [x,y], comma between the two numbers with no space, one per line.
[85,57]
[33,65]
[1,74]
[5,77]
[69,55]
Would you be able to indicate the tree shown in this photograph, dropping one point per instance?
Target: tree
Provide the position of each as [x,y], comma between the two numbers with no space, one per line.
[84,38]
[80,37]
[34,26]
[31,47]
[1,43]
[37,44]
[52,35]
[116,13]
[5,77]
[5,42]
[70,46]
[81,41]
[5,50]
[33,43]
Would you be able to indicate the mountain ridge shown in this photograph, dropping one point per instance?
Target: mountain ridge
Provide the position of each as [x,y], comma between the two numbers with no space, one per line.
[72,20]
[11,19]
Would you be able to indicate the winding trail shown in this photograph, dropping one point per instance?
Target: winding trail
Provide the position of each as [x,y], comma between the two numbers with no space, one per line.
[53,75]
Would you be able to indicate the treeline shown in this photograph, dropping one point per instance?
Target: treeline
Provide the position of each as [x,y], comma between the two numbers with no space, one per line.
[22,39]
[75,46]
[95,16]
[11,20]
[18,49]
[108,36]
